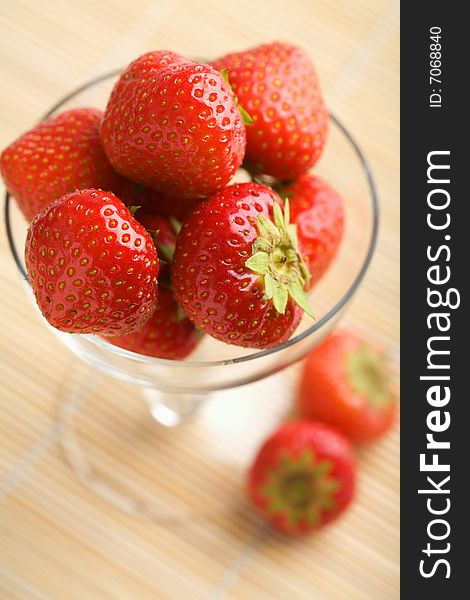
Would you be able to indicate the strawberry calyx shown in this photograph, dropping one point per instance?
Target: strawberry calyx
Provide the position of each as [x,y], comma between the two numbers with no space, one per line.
[300,488]
[133,209]
[180,314]
[281,188]
[368,376]
[276,259]
[175,224]
[247,118]
[167,251]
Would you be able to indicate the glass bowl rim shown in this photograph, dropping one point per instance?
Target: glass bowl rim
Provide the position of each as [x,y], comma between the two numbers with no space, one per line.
[100,342]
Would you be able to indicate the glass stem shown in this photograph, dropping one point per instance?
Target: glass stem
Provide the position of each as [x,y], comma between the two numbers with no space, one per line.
[171,409]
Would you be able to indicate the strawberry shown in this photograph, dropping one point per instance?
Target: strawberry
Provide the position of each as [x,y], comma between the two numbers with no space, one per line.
[92,267]
[237,272]
[303,476]
[278,86]
[173,125]
[166,334]
[317,210]
[346,382]
[60,155]
[171,207]
[164,232]
[135,194]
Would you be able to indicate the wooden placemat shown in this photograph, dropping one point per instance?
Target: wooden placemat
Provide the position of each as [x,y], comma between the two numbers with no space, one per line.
[58,539]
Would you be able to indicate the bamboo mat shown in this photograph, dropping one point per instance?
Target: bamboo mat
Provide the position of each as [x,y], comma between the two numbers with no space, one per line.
[58,539]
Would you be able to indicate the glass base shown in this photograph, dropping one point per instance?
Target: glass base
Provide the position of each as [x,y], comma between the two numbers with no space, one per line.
[168,410]
[171,410]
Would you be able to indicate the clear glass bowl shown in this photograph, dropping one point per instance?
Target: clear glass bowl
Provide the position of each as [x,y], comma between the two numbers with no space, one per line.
[175,388]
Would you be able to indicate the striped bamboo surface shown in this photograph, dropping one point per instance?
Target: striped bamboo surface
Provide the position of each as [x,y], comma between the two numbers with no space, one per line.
[58,539]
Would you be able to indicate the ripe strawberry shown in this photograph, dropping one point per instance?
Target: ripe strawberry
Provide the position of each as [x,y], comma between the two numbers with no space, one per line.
[317,210]
[164,232]
[171,207]
[303,476]
[278,86]
[92,267]
[345,382]
[237,272]
[60,155]
[166,334]
[172,124]
[135,194]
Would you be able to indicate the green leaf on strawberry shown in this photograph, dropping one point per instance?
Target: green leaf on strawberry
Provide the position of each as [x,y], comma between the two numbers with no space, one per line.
[300,487]
[236,269]
[175,223]
[167,251]
[247,118]
[303,476]
[133,209]
[277,260]
[368,376]
[346,382]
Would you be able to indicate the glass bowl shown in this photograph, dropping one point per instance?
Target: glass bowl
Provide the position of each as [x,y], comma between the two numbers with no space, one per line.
[174,389]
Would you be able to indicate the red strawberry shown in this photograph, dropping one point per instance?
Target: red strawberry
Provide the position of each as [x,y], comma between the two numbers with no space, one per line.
[345,382]
[164,232]
[303,476]
[133,193]
[171,207]
[317,210]
[92,267]
[172,124]
[136,194]
[58,156]
[165,335]
[236,270]
[278,86]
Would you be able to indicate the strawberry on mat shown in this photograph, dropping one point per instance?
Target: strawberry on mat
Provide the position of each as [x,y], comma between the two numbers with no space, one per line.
[303,476]
[346,382]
